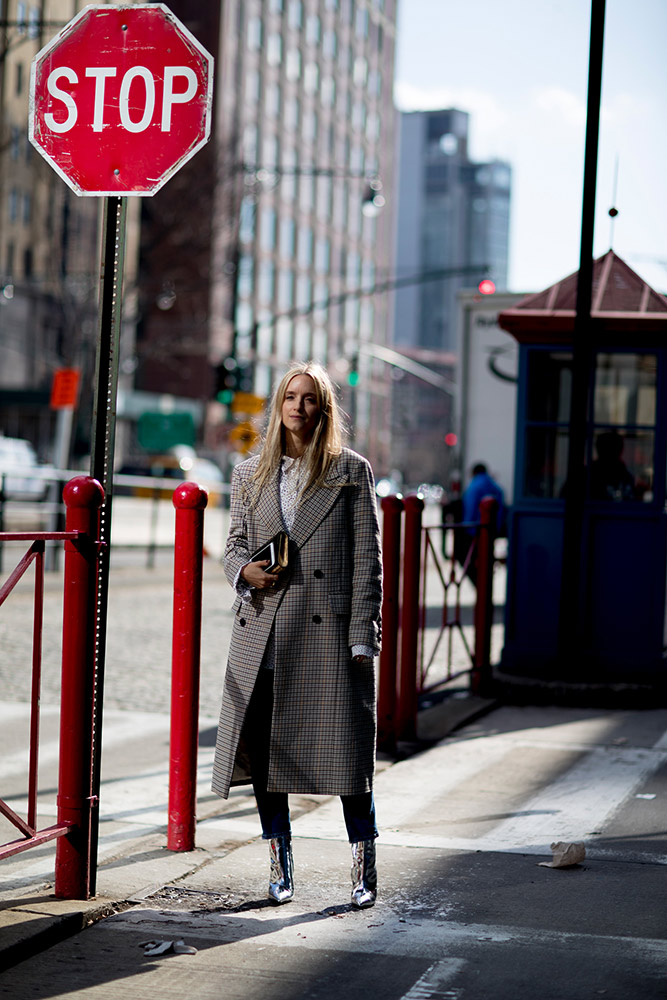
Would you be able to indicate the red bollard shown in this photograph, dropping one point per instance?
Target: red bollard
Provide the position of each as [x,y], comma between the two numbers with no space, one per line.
[480,678]
[190,502]
[406,721]
[83,497]
[392,510]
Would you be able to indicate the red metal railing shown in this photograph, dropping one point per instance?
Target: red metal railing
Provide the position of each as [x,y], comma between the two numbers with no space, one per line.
[405,653]
[83,496]
[190,502]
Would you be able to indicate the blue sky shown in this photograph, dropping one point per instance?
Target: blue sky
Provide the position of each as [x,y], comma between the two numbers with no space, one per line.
[520,68]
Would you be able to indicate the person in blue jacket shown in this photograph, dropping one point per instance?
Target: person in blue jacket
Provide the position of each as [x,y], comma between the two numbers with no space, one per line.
[480,486]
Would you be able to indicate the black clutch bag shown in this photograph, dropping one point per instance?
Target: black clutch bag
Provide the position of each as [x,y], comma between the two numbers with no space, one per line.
[275,550]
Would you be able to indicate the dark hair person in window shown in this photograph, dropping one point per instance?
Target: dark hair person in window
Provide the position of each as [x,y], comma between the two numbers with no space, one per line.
[610,478]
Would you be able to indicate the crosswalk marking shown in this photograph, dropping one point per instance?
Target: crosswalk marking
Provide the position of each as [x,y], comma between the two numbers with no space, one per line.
[577,804]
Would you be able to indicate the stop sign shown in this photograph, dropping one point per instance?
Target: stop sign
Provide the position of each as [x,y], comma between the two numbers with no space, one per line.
[121,99]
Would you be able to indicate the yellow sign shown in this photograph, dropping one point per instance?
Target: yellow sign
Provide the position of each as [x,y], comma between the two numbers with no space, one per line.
[247,402]
[244,435]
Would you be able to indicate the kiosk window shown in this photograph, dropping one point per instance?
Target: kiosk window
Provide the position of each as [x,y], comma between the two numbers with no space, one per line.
[548,413]
[623,438]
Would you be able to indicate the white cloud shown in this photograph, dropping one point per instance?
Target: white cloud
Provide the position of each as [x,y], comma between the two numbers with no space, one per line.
[565,105]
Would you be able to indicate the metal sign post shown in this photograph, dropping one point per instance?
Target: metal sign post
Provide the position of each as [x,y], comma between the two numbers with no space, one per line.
[119,101]
[101,463]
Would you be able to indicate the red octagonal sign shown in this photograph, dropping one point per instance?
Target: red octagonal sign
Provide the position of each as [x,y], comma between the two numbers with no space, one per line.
[121,99]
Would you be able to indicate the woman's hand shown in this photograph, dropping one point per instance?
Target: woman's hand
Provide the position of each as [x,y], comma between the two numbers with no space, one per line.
[254,574]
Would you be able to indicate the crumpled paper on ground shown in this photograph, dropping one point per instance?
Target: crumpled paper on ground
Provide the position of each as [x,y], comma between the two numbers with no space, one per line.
[167,947]
[565,855]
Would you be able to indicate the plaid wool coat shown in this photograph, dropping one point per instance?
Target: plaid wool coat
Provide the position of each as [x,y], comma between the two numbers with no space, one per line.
[323,728]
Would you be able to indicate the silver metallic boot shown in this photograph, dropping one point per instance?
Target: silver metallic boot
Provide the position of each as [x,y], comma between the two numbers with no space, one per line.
[364,874]
[281,878]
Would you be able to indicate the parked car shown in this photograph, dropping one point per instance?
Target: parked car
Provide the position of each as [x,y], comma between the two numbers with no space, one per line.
[181,463]
[20,477]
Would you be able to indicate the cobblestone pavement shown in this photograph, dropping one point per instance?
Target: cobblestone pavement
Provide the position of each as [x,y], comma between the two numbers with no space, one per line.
[138,658]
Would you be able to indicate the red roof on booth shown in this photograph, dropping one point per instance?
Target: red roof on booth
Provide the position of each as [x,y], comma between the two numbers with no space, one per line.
[621,303]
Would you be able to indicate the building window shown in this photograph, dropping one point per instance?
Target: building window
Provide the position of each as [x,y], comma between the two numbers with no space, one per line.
[33,26]
[310,126]
[302,340]
[19,79]
[361,23]
[274,50]
[287,238]
[311,78]
[15,148]
[254,34]
[27,262]
[321,299]
[21,24]
[305,247]
[623,431]
[27,209]
[285,289]
[329,44]
[306,197]
[292,113]
[249,144]
[272,101]
[328,92]
[304,292]
[293,64]
[313,30]
[269,151]
[360,71]
[244,284]
[322,255]
[252,86]
[247,221]
[265,282]
[295,14]
[13,205]
[267,230]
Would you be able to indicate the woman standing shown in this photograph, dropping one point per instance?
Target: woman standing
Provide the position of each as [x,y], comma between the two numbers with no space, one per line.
[298,705]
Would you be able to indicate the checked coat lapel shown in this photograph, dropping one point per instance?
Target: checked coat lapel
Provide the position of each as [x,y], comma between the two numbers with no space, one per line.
[315,506]
[267,509]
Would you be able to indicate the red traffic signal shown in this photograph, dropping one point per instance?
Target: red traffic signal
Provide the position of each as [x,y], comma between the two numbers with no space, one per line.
[451,440]
[486,286]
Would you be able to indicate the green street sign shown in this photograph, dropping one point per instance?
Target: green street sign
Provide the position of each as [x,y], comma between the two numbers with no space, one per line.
[160,431]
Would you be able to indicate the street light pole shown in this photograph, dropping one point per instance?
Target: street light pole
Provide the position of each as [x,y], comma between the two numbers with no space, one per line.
[571,625]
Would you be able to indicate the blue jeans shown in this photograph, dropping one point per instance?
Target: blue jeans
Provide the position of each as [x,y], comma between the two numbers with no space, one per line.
[273,807]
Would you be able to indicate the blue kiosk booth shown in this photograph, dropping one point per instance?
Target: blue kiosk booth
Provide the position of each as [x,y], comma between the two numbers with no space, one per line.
[623,560]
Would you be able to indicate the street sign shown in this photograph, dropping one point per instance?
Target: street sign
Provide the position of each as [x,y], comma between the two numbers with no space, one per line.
[121,99]
[244,436]
[247,402]
[160,431]
[64,389]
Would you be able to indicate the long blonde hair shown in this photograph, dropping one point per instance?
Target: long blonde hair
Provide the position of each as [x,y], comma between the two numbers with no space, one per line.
[327,441]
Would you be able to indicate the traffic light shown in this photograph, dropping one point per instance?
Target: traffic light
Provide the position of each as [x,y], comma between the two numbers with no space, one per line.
[486,286]
[226,380]
[353,373]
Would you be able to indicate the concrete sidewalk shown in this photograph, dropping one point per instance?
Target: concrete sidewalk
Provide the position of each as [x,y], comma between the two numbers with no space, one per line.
[136,865]
[464,909]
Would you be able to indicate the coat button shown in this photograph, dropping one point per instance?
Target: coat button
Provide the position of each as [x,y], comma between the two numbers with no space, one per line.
[318,574]
[241,621]
[317,619]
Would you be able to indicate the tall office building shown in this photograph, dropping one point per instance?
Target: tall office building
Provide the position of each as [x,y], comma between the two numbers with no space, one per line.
[289,197]
[452,231]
